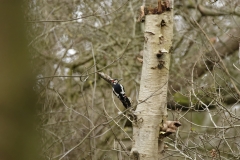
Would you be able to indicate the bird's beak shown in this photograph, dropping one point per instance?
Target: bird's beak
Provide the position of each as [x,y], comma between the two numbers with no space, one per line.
[119,80]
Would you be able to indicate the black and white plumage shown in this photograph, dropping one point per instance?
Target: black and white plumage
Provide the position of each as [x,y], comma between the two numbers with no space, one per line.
[119,91]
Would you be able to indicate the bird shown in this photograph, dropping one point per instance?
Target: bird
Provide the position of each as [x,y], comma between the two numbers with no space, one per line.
[119,91]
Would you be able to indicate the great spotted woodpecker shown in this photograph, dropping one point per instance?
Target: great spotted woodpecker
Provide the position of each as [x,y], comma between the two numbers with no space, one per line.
[119,91]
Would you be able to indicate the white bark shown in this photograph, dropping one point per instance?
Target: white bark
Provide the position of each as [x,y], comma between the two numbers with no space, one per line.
[151,110]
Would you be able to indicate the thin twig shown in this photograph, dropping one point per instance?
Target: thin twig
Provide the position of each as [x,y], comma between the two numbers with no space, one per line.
[75,19]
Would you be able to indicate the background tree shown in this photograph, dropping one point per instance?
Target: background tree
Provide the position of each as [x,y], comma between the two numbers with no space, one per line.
[18,138]
[71,40]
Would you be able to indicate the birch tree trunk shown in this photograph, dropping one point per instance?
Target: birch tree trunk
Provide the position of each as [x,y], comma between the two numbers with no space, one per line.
[151,111]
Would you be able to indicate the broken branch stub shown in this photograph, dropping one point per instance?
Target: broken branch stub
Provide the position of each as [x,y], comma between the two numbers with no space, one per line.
[163,6]
[169,127]
[105,77]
